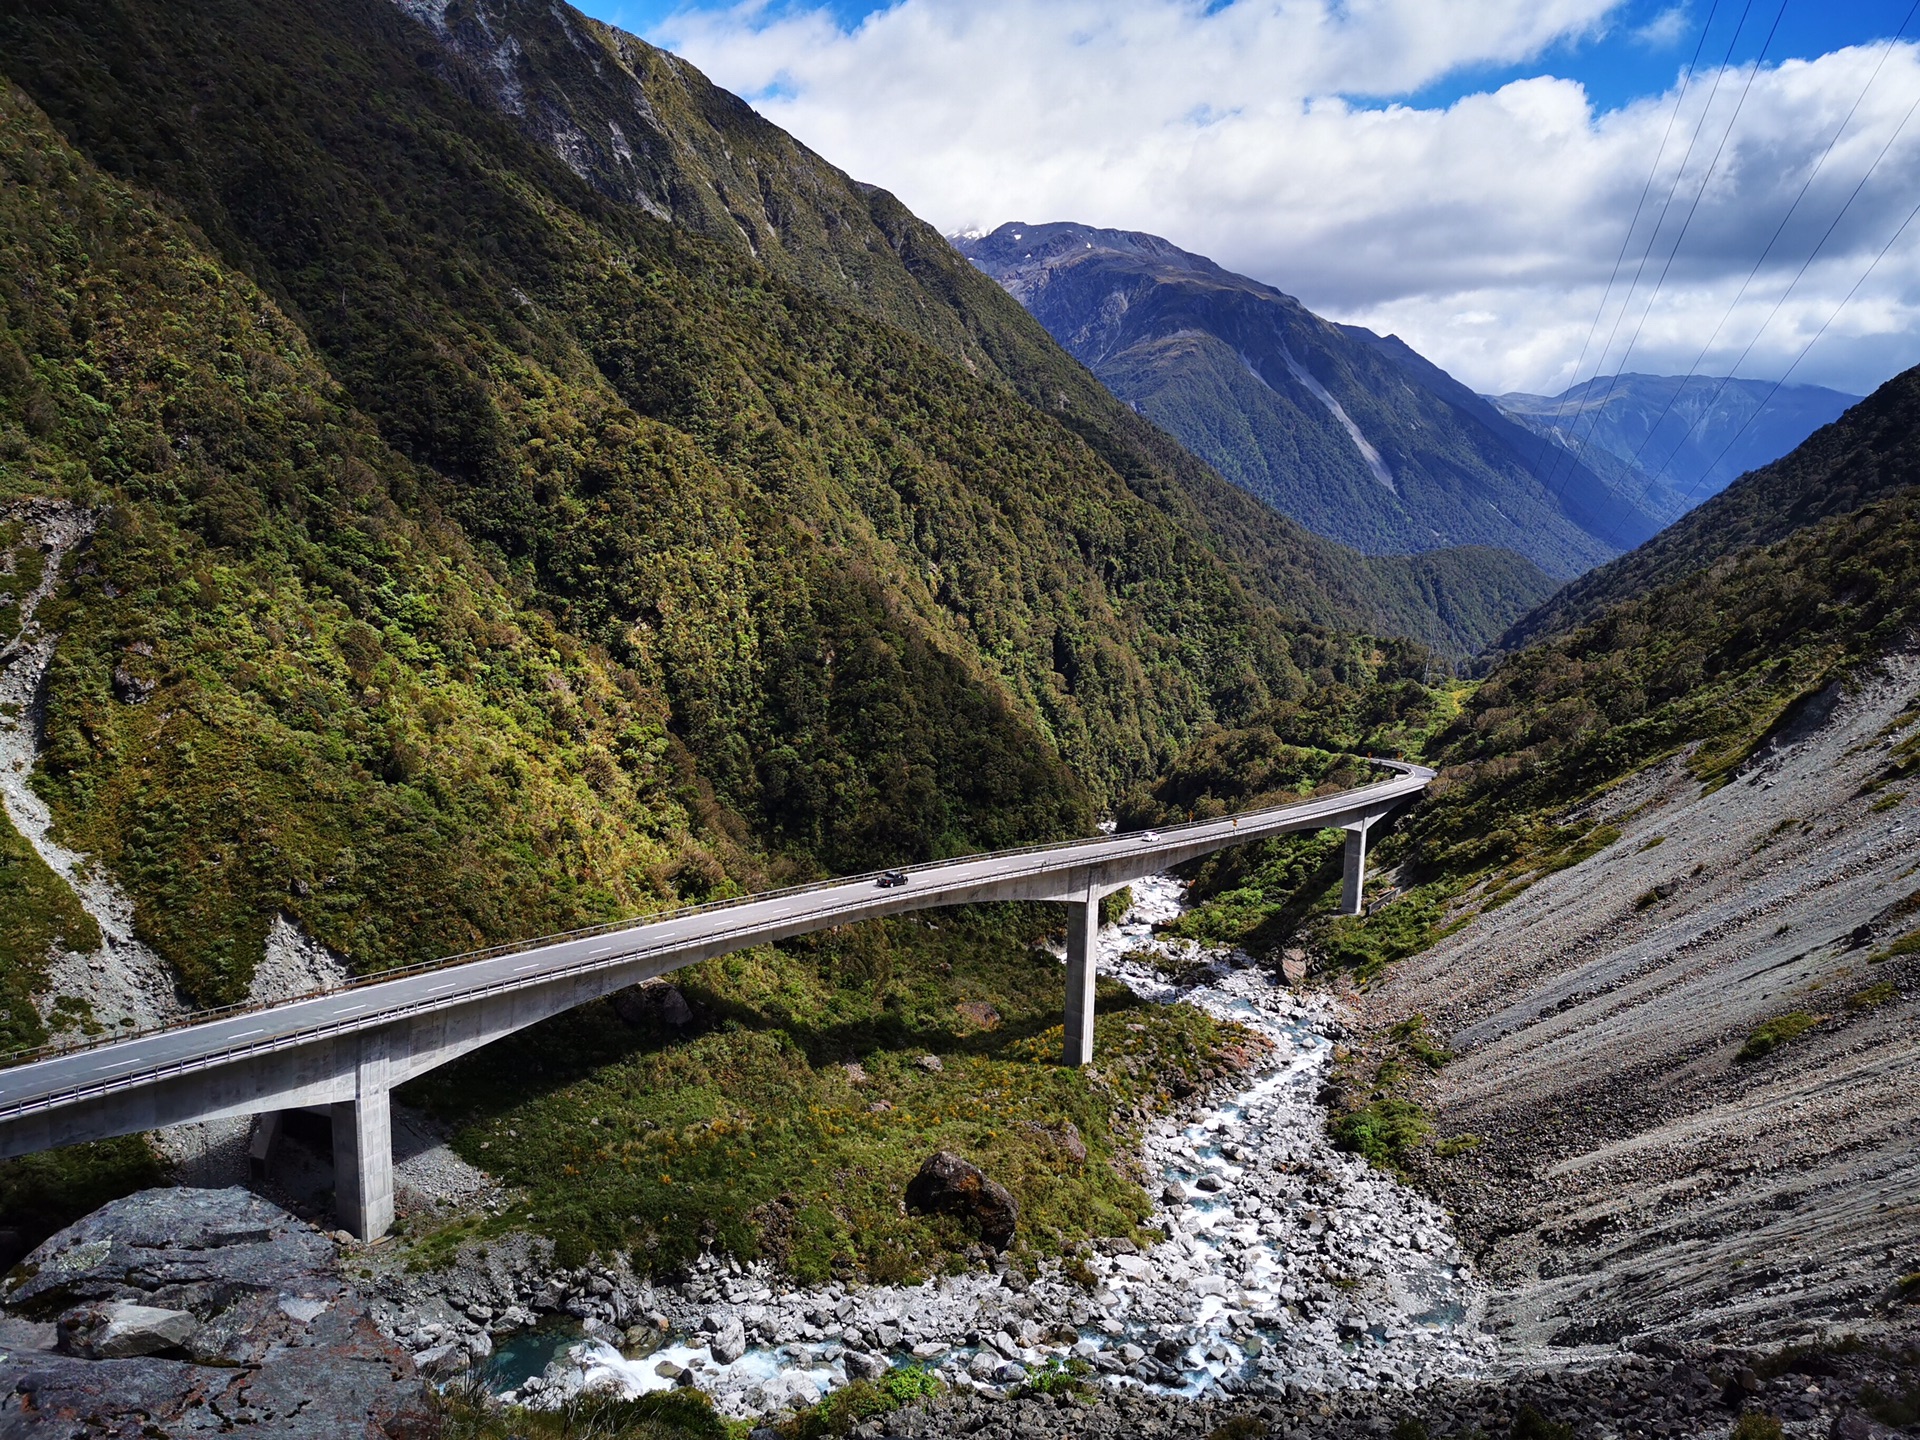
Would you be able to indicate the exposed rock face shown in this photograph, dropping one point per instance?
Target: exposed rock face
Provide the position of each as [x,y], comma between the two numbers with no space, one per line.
[255,1327]
[948,1185]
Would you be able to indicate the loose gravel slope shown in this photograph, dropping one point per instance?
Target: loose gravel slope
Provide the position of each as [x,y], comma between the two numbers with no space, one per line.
[1635,1176]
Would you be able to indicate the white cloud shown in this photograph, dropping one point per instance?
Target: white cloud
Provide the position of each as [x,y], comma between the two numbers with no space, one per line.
[1665,28]
[1482,232]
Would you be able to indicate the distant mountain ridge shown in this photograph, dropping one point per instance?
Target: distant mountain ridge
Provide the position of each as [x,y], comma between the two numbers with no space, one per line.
[1353,434]
[1674,440]
[1869,454]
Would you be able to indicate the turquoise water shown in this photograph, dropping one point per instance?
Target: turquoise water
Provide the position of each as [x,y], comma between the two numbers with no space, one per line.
[520,1357]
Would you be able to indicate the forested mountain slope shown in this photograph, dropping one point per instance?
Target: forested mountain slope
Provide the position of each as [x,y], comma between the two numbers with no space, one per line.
[1868,453]
[839,599]
[1351,433]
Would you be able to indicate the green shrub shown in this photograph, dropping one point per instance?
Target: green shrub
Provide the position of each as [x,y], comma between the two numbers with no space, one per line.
[1756,1425]
[860,1400]
[1873,995]
[1385,1130]
[1059,1377]
[1775,1033]
[1458,1145]
[42,1193]
[1530,1424]
[469,1413]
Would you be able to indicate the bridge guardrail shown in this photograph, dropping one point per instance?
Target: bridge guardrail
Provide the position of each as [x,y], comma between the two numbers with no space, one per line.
[51,1050]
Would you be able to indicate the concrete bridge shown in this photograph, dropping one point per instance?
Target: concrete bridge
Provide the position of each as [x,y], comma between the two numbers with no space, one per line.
[344,1051]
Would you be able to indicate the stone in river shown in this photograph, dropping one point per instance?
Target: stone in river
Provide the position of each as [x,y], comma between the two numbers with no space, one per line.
[861,1366]
[729,1342]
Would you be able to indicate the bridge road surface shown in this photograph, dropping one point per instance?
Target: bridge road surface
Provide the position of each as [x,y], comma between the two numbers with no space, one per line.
[348,1048]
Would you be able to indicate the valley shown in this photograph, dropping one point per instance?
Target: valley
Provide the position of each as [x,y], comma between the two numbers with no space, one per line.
[466,477]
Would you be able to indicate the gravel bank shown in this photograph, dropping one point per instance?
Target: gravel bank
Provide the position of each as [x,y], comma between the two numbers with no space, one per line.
[1637,1179]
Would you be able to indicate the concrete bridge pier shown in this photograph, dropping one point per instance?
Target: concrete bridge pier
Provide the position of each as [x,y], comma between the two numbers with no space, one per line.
[1083,946]
[1353,882]
[363,1145]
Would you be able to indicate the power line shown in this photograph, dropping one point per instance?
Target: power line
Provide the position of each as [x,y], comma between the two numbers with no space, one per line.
[1694,208]
[1773,240]
[1706,177]
[1794,283]
[1626,240]
[1911,214]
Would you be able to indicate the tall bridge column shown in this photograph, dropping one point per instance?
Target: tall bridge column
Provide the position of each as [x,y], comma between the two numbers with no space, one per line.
[363,1146]
[1083,944]
[1353,881]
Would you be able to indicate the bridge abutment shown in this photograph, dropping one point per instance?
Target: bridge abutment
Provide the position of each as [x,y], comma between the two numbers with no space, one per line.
[363,1146]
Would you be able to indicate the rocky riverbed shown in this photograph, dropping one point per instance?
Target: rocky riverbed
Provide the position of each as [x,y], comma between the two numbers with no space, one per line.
[1286,1263]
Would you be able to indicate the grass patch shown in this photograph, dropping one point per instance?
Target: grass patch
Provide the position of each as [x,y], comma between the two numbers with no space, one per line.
[1871,996]
[1454,1145]
[1775,1033]
[1368,944]
[1885,803]
[1755,1425]
[1908,944]
[1411,1036]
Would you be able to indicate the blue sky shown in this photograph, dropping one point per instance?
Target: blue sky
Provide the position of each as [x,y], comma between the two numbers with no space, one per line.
[1465,173]
[1619,64]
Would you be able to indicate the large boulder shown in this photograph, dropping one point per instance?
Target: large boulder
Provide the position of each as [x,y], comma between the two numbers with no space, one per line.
[653,1005]
[182,1312]
[948,1185]
[727,1339]
[194,1248]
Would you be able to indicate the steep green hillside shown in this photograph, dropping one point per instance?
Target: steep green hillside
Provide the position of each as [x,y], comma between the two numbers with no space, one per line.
[350,719]
[286,682]
[1868,453]
[1351,433]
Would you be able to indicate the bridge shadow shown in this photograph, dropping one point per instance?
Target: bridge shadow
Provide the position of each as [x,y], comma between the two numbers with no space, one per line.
[1024,988]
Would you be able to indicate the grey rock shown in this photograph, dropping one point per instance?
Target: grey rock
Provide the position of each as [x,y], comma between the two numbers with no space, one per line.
[117,1329]
[278,1342]
[861,1366]
[729,1343]
[163,1238]
[441,1362]
[655,1005]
